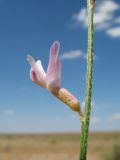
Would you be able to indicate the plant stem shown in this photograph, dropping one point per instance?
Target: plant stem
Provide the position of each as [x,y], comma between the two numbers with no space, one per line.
[85,123]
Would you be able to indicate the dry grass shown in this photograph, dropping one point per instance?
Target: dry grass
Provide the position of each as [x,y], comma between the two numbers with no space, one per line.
[56,146]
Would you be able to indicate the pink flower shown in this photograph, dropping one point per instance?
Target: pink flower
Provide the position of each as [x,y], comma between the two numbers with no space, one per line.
[50,79]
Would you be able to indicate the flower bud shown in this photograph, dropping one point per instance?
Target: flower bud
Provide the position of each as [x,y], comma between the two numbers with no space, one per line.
[65,96]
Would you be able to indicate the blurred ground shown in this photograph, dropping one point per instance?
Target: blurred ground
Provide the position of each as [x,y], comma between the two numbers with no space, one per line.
[57,146]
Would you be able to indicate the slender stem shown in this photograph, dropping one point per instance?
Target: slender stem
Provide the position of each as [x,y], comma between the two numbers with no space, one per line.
[85,124]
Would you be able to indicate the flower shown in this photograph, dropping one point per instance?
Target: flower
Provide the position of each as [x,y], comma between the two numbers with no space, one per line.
[51,78]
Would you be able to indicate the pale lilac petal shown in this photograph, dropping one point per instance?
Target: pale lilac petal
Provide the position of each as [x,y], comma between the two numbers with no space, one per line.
[33,76]
[39,65]
[37,73]
[53,76]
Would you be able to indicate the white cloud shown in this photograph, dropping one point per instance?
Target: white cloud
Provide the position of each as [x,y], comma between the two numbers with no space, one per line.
[9,112]
[117,20]
[73,54]
[104,16]
[104,11]
[81,17]
[114,32]
[115,117]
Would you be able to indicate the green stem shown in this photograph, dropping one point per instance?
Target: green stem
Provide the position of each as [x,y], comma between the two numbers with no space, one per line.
[85,124]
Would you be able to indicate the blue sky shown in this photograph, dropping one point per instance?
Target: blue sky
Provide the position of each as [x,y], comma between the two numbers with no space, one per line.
[31,26]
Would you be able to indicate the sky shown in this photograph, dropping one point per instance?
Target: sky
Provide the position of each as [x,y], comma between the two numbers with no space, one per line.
[30,27]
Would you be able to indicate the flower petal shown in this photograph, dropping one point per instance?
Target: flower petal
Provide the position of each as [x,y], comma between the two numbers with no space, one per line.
[53,75]
[33,76]
[37,73]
